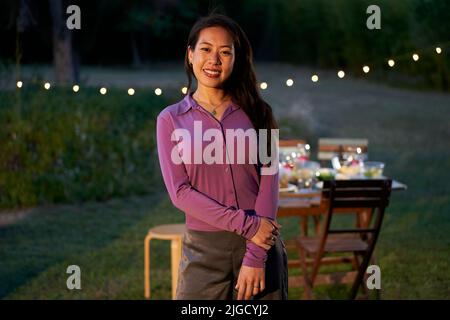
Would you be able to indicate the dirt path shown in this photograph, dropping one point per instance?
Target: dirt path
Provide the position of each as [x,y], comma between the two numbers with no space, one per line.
[11,217]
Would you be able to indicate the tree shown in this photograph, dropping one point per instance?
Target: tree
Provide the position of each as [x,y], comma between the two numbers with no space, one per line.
[63,56]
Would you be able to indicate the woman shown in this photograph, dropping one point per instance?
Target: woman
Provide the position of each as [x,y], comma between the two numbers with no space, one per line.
[231,248]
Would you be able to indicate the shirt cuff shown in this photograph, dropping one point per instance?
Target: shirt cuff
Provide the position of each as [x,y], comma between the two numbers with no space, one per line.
[255,256]
[251,229]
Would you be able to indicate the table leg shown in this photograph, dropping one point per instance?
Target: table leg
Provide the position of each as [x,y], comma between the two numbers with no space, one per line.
[147,266]
[175,263]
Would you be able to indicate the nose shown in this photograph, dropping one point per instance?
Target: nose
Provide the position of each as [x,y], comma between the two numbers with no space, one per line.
[215,57]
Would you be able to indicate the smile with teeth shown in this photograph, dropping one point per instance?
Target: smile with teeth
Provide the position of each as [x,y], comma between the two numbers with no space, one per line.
[211,73]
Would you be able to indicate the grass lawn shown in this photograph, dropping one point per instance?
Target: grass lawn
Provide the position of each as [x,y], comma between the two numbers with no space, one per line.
[104,239]
[407,130]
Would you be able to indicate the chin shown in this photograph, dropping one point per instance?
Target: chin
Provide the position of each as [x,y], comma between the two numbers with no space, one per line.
[218,83]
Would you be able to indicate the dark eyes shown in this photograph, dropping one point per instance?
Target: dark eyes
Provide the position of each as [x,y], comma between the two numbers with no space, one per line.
[227,53]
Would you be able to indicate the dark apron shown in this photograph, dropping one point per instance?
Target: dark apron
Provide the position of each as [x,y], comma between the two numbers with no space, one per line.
[210,265]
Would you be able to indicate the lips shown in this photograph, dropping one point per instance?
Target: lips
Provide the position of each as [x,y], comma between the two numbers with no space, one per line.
[212,73]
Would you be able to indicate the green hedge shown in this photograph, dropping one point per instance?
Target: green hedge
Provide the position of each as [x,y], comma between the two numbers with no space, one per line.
[57,146]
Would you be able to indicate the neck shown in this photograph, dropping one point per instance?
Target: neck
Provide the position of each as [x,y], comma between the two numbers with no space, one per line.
[212,96]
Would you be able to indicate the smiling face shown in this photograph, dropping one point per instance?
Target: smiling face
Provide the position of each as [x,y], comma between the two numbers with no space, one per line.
[212,57]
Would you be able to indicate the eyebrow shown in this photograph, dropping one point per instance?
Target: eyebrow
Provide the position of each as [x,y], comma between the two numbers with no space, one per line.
[226,45]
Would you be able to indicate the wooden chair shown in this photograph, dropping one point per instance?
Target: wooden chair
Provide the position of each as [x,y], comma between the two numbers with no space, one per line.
[290,145]
[330,147]
[174,233]
[372,195]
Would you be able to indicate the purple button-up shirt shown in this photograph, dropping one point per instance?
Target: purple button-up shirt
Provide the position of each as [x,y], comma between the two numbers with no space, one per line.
[215,196]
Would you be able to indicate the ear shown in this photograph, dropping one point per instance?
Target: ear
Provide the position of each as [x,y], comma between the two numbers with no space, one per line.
[190,53]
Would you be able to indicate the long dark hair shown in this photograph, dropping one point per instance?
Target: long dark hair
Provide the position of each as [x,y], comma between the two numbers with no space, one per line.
[241,85]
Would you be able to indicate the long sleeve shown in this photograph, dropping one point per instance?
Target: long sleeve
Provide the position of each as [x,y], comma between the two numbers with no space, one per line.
[266,206]
[192,202]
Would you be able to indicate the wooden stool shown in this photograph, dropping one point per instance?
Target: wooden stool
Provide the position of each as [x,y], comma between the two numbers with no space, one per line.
[174,233]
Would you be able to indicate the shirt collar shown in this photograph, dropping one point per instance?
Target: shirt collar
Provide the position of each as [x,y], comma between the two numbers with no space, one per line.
[189,103]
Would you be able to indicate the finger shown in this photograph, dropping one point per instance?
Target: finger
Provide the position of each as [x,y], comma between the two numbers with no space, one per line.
[248,291]
[270,241]
[262,285]
[277,225]
[241,291]
[274,224]
[256,289]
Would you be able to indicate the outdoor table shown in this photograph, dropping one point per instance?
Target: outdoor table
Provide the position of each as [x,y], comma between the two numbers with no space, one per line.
[306,203]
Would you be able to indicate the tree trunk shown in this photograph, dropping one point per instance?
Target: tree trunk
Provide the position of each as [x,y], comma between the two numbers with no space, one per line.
[137,61]
[62,44]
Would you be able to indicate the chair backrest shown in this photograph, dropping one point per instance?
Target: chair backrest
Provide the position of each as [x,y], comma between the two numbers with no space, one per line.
[291,144]
[367,194]
[291,150]
[330,147]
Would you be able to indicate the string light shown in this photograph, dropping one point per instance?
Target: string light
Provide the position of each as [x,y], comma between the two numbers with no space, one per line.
[263,85]
[307,146]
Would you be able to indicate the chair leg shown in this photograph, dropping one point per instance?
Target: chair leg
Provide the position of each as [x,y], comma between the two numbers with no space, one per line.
[147,266]
[304,226]
[374,261]
[317,224]
[175,263]
[363,282]
[359,277]
[307,285]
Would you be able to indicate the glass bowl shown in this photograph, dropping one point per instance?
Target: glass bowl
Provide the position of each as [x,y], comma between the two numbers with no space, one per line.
[372,169]
[347,167]
[305,173]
